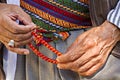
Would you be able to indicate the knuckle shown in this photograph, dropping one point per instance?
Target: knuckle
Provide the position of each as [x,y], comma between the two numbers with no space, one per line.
[82,69]
[73,56]
[76,65]
[90,43]
[99,59]
[15,30]
[17,44]
[97,54]
[17,38]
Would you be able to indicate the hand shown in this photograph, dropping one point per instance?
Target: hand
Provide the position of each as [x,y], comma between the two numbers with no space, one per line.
[11,30]
[90,50]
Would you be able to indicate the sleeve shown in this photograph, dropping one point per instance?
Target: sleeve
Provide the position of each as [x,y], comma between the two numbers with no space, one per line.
[114,15]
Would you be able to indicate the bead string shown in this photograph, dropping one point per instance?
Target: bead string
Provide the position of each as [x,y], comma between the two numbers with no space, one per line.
[39,40]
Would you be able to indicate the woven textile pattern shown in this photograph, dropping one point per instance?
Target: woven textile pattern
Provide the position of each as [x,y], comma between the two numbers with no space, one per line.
[58,15]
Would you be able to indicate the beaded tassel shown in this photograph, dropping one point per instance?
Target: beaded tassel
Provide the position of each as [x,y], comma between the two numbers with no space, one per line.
[41,55]
[39,40]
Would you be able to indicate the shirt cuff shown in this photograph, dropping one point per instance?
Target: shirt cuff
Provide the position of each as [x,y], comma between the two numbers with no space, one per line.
[114,15]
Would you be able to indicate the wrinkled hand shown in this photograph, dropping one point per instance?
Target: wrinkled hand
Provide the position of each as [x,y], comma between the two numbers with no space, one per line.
[11,30]
[90,50]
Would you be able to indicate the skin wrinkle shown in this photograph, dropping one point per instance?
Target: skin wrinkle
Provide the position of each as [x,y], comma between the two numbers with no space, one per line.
[114,34]
[89,45]
[18,40]
[96,44]
[75,55]
[100,63]
[83,69]
[101,59]
[11,30]
[85,61]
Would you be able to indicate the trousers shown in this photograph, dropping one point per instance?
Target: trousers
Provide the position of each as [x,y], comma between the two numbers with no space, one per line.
[32,67]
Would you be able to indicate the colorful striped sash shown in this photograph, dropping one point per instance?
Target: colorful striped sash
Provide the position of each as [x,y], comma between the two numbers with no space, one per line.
[58,16]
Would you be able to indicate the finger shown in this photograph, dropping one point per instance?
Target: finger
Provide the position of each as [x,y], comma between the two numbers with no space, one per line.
[65,66]
[26,19]
[91,71]
[75,52]
[14,27]
[104,54]
[20,15]
[84,59]
[90,64]
[16,37]
[21,43]
[70,56]
[78,65]
[19,50]
[17,44]
[21,37]
[89,54]
[77,49]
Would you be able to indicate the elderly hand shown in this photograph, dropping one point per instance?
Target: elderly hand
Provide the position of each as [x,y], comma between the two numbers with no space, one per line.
[90,50]
[11,30]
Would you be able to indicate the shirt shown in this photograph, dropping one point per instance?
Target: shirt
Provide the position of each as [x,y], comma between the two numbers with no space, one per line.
[10,76]
[10,58]
[114,15]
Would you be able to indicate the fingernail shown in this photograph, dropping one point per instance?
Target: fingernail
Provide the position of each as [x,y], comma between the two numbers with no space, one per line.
[33,26]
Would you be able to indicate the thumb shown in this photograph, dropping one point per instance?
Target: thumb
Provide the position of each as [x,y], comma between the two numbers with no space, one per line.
[63,58]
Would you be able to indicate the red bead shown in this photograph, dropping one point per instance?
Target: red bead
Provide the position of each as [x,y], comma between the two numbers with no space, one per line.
[39,40]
